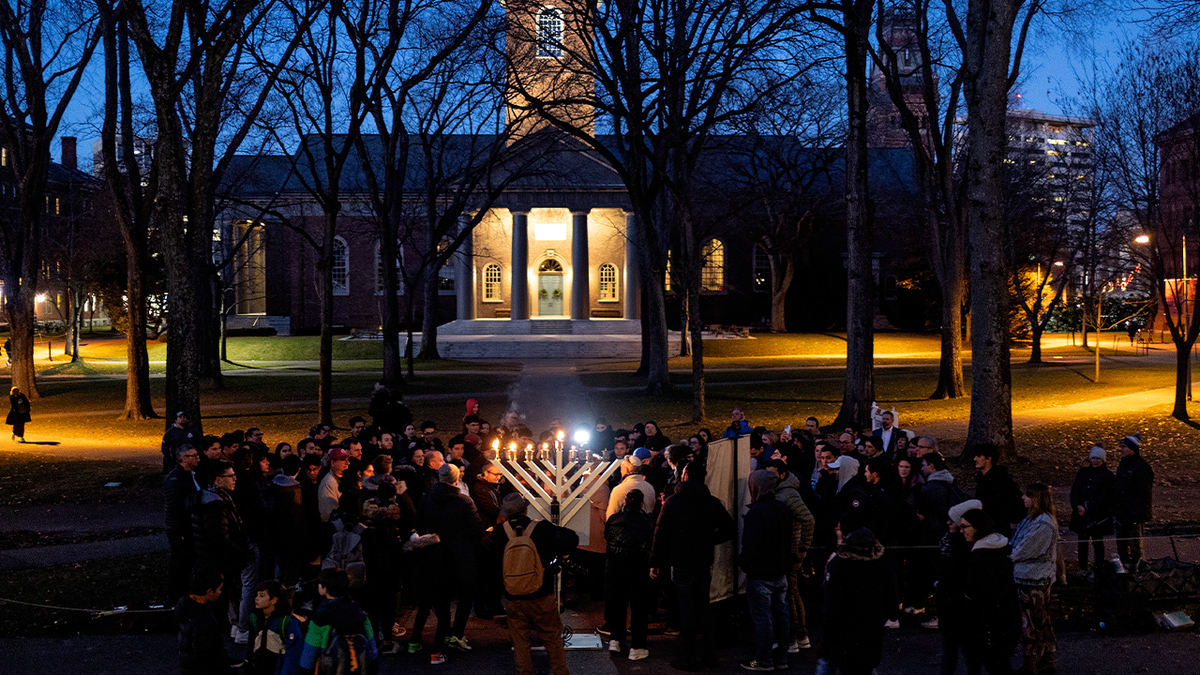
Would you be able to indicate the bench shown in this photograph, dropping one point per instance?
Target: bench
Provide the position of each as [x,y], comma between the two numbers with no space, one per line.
[606,313]
[503,312]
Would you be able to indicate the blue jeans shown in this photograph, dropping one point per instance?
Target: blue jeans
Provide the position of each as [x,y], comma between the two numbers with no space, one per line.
[769,611]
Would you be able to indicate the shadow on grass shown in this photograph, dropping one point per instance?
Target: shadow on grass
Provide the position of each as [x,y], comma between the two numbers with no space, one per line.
[41,443]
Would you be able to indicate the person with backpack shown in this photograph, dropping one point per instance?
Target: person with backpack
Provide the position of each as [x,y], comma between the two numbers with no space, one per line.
[276,636]
[529,550]
[340,636]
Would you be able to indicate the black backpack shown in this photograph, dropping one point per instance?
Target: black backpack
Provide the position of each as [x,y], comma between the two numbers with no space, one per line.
[345,655]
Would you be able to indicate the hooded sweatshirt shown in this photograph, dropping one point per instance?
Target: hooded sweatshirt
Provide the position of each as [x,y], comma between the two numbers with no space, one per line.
[767,533]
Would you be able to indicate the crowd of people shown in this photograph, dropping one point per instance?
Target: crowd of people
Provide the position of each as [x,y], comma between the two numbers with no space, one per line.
[308,551]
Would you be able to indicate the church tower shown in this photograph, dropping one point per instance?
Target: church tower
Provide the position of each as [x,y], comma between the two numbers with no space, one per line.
[883,118]
[547,45]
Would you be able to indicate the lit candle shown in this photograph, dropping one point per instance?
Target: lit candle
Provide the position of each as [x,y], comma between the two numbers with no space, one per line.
[512,451]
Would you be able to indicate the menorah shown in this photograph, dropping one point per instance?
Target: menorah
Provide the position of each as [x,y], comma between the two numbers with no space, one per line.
[556,480]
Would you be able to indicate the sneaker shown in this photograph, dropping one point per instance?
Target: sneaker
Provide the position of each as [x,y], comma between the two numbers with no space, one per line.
[795,646]
[458,643]
[914,610]
[638,654]
[414,647]
[671,632]
[614,646]
[892,624]
[437,658]
[398,631]
[604,631]
[242,637]
[759,666]
[932,623]
[389,648]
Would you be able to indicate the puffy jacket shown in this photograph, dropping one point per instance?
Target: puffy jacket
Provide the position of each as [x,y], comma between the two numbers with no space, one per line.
[629,533]
[340,615]
[860,591]
[1094,489]
[766,539]
[178,488]
[1134,491]
[803,522]
[1035,550]
[691,523]
[737,429]
[452,516]
[991,612]
[217,530]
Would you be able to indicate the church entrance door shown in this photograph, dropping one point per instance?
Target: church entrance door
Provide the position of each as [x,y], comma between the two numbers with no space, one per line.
[550,288]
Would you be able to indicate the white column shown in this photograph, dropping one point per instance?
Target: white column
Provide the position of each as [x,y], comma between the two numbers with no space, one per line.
[519,296]
[633,303]
[581,301]
[465,283]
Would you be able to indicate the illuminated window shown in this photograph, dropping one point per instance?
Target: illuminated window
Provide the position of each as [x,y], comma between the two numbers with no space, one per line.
[712,275]
[341,267]
[549,33]
[608,283]
[1056,141]
[491,283]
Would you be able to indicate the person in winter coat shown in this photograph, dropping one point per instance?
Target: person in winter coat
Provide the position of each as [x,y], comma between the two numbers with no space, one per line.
[1092,496]
[766,557]
[995,487]
[803,525]
[452,516]
[18,413]
[218,533]
[1133,505]
[692,523]
[738,427]
[276,636]
[990,617]
[201,650]
[336,615]
[179,489]
[933,506]
[951,564]
[628,533]
[860,589]
[1035,567]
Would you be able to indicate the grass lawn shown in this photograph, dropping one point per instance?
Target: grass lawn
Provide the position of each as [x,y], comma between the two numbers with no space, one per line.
[134,582]
[28,478]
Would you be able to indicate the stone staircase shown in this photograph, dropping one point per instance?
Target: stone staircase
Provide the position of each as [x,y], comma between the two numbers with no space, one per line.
[551,327]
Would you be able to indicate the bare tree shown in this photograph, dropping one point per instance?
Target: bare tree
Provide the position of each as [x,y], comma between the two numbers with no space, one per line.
[46,47]
[1149,137]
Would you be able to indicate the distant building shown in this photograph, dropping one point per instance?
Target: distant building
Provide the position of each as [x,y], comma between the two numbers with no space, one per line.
[884,128]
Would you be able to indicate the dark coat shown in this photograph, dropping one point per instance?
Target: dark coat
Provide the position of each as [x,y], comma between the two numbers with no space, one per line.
[691,523]
[934,501]
[629,534]
[18,409]
[991,612]
[291,524]
[1094,489]
[766,539]
[217,530]
[201,650]
[551,541]
[860,591]
[179,487]
[1134,491]
[452,516]
[487,501]
[1001,497]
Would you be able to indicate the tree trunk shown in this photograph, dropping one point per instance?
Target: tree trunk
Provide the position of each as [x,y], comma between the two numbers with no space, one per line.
[412,319]
[23,321]
[859,390]
[685,319]
[1036,330]
[210,318]
[950,368]
[76,322]
[698,386]
[138,405]
[658,373]
[429,349]
[780,283]
[989,36]
[393,363]
[325,378]
[1183,364]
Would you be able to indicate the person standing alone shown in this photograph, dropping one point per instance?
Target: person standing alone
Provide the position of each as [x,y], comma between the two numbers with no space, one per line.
[18,414]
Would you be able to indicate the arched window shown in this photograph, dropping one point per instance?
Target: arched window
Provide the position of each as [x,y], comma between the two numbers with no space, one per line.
[550,265]
[549,33]
[341,267]
[491,283]
[380,276]
[712,276]
[608,283]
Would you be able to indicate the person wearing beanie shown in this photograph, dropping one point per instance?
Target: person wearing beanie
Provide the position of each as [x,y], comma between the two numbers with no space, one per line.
[1092,496]
[1133,503]
[990,614]
[766,557]
[860,591]
[633,478]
